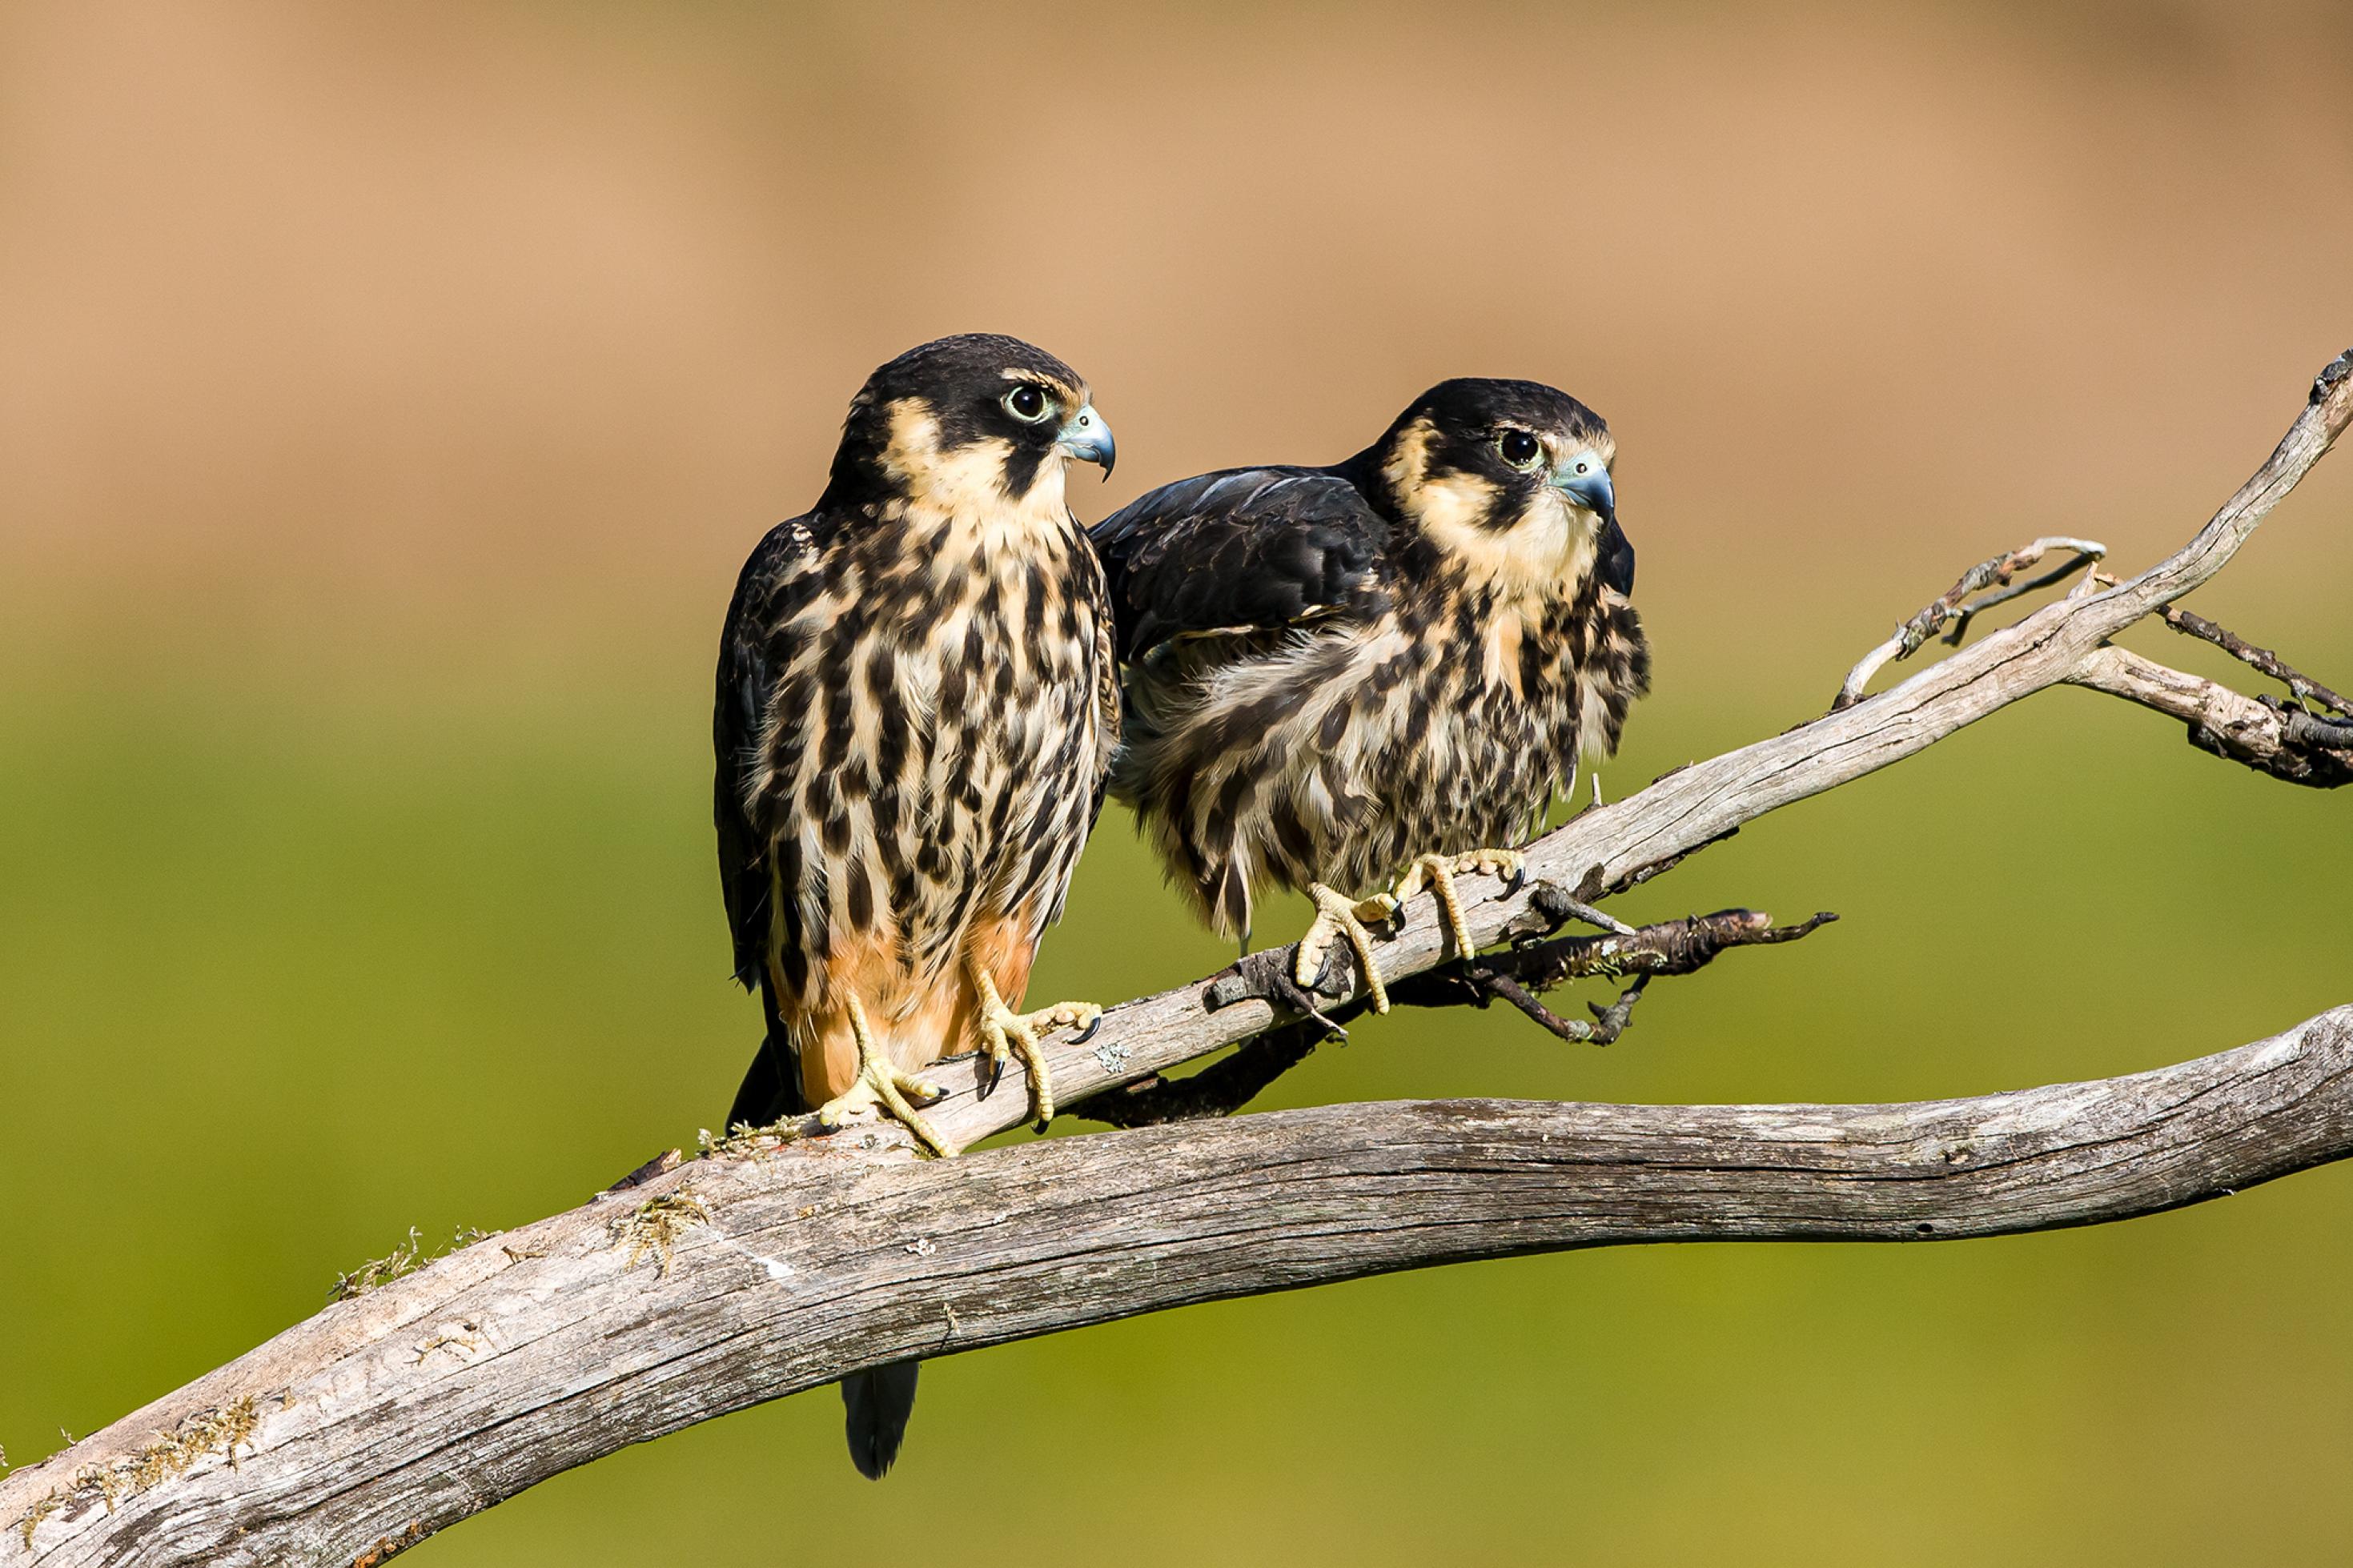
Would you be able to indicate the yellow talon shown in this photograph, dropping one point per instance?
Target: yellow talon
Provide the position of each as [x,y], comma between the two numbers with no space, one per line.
[881,1085]
[1004,1032]
[1437,872]
[1337,914]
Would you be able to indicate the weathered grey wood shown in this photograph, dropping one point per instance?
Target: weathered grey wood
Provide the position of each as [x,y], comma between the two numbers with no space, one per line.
[383,1419]
[399,1414]
[2261,736]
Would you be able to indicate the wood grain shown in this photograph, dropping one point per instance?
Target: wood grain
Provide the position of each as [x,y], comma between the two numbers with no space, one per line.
[720,1283]
[399,1414]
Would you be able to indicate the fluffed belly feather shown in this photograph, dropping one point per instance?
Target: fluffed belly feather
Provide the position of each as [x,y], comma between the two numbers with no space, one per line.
[1337,756]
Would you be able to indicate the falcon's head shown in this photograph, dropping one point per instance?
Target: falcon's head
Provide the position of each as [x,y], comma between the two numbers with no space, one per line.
[968,425]
[1510,480]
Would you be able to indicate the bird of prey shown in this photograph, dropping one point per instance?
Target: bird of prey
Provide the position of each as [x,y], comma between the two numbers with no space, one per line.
[917,704]
[1382,668]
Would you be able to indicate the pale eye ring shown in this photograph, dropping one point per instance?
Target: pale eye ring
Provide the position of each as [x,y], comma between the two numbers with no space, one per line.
[1026,403]
[1519,449]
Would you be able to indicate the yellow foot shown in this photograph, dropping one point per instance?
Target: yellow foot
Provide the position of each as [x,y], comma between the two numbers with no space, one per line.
[1337,914]
[1437,872]
[883,1089]
[1006,1033]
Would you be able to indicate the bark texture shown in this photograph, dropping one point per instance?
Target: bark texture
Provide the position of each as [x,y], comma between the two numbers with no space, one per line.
[701,1287]
[725,1282]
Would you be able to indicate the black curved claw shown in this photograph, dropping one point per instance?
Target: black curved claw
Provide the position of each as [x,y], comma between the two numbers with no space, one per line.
[1517,879]
[1083,1035]
[1287,993]
[995,1076]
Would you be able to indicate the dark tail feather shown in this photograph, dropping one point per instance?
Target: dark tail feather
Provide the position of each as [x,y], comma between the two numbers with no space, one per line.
[771,1087]
[878,1402]
[772,1084]
[877,1405]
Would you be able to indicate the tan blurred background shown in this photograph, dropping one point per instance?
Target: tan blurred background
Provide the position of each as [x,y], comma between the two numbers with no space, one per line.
[388,393]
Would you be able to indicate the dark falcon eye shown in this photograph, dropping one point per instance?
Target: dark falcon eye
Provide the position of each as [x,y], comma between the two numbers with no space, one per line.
[1026,403]
[1519,449]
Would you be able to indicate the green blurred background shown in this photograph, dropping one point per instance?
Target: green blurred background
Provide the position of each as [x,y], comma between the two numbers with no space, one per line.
[389,393]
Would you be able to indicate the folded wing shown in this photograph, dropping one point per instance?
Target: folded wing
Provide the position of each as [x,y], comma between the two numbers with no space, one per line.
[1248,549]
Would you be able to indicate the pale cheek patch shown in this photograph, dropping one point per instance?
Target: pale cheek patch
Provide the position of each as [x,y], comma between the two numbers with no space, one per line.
[1455,506]
[915,444]
[958,496]
[1410,461]
[1542,555]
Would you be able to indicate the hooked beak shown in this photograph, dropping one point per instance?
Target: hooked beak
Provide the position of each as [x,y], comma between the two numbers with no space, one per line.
[1591,491]
[1086,437]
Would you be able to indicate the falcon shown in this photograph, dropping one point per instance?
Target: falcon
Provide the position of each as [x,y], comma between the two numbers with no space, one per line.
[917,705]
[1334,676]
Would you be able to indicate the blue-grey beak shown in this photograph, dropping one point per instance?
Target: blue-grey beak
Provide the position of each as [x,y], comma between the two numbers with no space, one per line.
[1590,491]
[1086,437]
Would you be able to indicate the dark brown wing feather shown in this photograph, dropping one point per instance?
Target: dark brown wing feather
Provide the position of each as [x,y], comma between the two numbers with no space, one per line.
[1244,549]
[778,579]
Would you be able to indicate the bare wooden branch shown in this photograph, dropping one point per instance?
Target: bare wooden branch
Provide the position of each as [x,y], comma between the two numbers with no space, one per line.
[1668,947]
[2264,735]
[705,1286]
[1514,975]
[2300,686]
[1948,609]
[550,1347]
[1220,1089]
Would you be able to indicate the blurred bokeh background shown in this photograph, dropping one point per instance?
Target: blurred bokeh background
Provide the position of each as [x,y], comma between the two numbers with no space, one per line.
[389,392]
